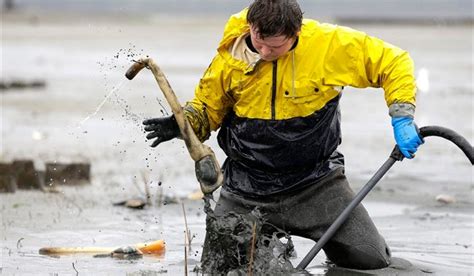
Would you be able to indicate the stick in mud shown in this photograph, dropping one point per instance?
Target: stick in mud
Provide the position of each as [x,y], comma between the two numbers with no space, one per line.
[185,254]
[134,181]
[147,190]
[18,243]
[188,233]
[159,194]
[252,249]
[73,266]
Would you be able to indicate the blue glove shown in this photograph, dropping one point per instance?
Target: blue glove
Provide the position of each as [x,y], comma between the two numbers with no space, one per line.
[406,136]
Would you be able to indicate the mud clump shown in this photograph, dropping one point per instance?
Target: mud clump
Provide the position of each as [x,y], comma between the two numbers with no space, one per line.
[231,248]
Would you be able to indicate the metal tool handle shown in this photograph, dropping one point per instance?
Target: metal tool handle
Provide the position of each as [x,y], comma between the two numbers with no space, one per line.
[346,213]
[396,155]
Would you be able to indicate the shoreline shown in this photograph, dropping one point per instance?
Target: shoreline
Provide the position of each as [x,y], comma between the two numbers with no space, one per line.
[35,16]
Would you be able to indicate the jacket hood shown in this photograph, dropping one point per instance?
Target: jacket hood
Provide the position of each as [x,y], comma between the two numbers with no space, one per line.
[236,26]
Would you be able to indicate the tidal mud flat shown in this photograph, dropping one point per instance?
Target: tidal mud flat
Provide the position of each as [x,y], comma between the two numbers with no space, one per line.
[82,60]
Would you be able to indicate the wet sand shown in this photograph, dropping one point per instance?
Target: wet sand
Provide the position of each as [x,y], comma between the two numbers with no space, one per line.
[82,58]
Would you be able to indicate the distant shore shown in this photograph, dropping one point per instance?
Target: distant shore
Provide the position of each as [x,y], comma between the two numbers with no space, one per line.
[425,12]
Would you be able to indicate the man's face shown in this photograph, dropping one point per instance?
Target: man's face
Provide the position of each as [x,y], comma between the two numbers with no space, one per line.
[271,48]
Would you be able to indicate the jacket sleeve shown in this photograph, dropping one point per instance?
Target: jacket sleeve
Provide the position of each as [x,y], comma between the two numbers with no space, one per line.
[211,101]
[380,64]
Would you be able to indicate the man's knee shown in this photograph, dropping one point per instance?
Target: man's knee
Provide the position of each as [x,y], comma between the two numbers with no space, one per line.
[359,257]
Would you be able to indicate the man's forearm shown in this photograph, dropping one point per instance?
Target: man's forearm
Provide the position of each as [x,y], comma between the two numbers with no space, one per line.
[199,121]
[402,110]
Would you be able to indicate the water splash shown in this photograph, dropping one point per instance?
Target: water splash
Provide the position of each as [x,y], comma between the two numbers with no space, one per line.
[114,90]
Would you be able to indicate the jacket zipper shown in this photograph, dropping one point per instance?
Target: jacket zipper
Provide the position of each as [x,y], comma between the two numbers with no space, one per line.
[274,88]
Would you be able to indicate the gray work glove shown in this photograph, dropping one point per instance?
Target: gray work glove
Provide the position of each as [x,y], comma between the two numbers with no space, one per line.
[161,129]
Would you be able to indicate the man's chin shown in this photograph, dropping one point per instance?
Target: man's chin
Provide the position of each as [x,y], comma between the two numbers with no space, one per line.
[269,58]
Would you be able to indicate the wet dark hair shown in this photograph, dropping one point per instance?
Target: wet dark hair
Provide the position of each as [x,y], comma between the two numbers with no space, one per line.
[275,17]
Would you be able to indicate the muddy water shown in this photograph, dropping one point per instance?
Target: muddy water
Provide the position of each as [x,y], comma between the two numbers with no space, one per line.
[82,59]
[433,241]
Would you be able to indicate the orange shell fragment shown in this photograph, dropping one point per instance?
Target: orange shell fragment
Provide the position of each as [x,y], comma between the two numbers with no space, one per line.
[155,247]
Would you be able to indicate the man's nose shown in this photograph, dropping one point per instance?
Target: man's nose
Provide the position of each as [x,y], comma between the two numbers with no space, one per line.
[265,51]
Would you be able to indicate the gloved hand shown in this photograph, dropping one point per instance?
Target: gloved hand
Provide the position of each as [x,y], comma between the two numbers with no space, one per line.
[163,129]
[406,135]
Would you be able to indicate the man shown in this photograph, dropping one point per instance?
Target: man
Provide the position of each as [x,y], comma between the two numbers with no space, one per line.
[273,92]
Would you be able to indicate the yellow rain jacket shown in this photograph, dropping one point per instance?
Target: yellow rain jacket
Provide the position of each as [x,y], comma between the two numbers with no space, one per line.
[279,121]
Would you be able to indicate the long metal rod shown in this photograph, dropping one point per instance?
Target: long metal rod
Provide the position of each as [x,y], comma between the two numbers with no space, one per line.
[346,213]
[396,155]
